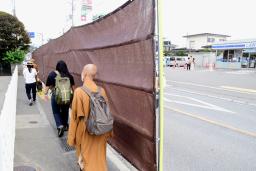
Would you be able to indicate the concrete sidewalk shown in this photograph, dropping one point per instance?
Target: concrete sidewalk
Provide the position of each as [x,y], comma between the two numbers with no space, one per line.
[37,144]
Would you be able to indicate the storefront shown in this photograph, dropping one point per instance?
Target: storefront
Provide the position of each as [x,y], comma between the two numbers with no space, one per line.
[235,54]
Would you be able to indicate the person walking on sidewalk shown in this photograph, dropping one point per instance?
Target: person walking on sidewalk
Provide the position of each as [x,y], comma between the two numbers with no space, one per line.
[90,149]
[60,110]
[34,64]
[39,84]
[30,75]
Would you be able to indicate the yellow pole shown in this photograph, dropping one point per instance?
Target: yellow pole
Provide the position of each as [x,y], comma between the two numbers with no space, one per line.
[161,79]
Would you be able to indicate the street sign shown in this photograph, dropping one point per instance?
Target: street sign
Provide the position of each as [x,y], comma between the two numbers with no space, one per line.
[31,34]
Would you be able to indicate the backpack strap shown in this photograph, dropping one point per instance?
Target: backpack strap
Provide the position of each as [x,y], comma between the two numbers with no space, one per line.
[57,72]
[99,90]
[87,91]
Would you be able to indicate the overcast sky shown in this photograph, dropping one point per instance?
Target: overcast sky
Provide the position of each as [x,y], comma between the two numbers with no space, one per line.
[181,17]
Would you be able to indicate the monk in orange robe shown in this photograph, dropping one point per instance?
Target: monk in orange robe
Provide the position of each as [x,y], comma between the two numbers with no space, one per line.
[90,149]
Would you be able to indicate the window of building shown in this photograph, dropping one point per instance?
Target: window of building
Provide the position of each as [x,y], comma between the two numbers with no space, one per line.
[225,56]
[231,56]
[167,42]
[222,40]
[210,39]
[228,56]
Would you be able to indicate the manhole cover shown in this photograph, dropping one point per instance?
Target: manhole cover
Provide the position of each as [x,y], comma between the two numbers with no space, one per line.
[65,146]
[24,168]
[33,122]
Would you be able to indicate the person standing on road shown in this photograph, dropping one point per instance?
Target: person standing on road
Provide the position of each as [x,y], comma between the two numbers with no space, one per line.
[90,149]
[188,63]
[30,75]
[60,111]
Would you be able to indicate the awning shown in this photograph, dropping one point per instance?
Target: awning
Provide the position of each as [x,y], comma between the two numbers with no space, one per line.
[235,45]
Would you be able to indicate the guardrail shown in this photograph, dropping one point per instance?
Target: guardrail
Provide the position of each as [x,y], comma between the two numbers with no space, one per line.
[7,125]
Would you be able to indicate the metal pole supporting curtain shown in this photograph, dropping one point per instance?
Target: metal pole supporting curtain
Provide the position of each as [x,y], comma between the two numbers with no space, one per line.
[161,81]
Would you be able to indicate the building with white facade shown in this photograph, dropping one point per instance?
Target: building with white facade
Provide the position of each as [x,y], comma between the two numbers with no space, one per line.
[197,41]
[235,54]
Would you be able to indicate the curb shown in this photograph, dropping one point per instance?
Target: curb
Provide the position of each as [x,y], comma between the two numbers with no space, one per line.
[119,162]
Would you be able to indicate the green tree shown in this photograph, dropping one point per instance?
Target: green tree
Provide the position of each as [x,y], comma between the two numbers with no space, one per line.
[167,53]
[206,50]
[12,35]
[181,53]
[16,56]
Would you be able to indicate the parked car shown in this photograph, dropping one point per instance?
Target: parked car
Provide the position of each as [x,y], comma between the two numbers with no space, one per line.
[170,61]
[244,63]
[180,61]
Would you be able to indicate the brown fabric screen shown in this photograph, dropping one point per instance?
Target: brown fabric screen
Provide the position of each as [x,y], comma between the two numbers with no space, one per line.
[122,46]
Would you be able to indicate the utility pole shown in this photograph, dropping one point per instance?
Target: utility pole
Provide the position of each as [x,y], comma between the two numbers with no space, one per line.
[72,13]
[14,8]
[42,38]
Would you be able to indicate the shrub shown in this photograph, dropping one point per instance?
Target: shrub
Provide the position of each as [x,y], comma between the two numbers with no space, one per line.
[14,57]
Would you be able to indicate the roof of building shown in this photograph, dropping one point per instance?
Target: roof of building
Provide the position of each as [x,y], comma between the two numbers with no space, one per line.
[210,34]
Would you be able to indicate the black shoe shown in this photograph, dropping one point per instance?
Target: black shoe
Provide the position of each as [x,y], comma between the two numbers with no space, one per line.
[60,131]
[66,128]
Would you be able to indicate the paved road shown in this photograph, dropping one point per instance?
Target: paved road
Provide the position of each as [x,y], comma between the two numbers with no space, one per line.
[210,120]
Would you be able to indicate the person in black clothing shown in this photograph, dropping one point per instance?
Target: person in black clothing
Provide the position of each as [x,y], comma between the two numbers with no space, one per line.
[188,64]
[30,76]
[60,112]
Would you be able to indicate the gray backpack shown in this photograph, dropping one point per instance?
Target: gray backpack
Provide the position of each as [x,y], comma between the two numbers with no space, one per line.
[100,119]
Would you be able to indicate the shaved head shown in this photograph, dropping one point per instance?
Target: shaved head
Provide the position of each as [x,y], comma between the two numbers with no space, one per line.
[89,70]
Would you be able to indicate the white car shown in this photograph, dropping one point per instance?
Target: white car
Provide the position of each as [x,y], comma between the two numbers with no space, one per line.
[181,61]
[170,61]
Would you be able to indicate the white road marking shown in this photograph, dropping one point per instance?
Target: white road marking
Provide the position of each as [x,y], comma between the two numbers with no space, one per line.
[253,104]
[167,85]
[205,104]
[202,94]
[216,97]
[240,72]
[211,87]
[241,131]
[240,89]
[194,84]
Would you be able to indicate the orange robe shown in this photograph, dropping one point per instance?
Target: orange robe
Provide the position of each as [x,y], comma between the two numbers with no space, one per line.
[92,148]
